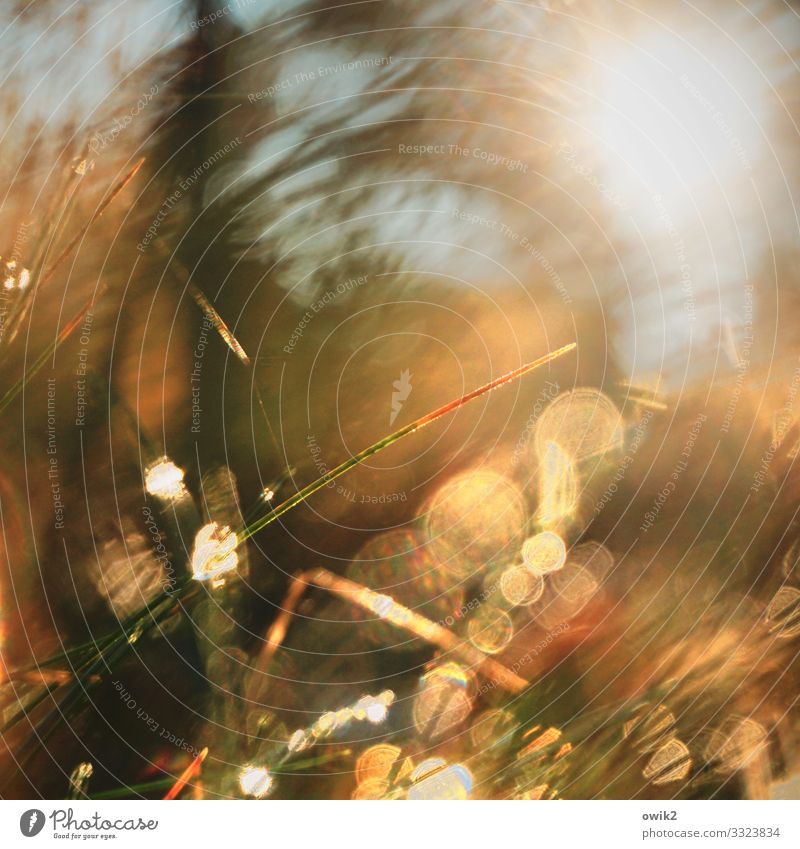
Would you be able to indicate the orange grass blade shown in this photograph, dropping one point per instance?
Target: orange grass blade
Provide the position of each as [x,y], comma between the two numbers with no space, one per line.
[186,776]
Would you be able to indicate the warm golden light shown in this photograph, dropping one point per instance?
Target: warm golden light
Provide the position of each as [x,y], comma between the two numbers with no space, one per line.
[163,479]
[475,518]
[376,762]
[558,486]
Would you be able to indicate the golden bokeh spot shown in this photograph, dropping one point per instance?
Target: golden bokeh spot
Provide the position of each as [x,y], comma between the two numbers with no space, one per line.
[583,423]
[651,729]
[490,629]
[491,727]
[736,745]
[475,519]
[443,701]
[544,552]
[670,762]
[376,762]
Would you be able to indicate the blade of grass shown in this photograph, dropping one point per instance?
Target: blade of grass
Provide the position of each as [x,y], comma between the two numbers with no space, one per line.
[97,213]
[49,351]
[414,426]
[47,275]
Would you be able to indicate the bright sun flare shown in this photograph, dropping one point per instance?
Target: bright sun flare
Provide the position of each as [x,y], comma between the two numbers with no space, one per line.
[671,121]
